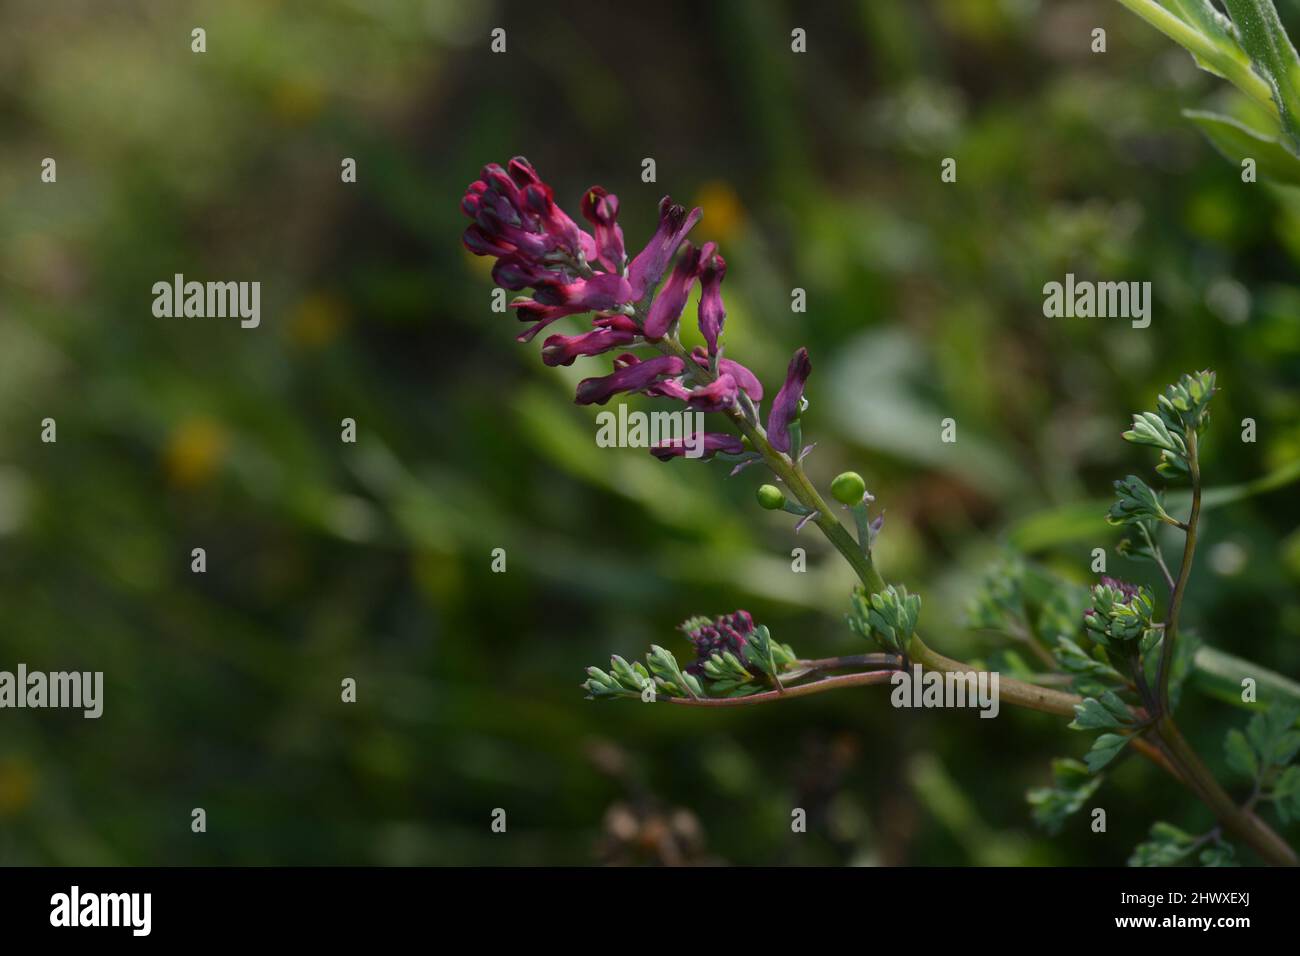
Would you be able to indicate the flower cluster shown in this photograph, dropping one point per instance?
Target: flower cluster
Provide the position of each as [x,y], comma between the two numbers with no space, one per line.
[573,271]
[727,632]
[1120,612]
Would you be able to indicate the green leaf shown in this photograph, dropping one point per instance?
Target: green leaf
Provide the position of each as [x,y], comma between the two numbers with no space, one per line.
[1091,715]
[1117,708]
[1286,795]
[1150,429]
[1221,854]
[669,675]
[602,685]
[888,616]
[1076,660]
[1100,714]
[726,667]
[1167,846]
[1240,755]
[1117,616]
[630,676]
[1209,21]
[1000,602]
[1261,35]
[1185,404]
[1104,749]
[1273,735]
[1136,501]
[1237,141]
[1072,787]
[1141,546]
[759,652]
[1214,27]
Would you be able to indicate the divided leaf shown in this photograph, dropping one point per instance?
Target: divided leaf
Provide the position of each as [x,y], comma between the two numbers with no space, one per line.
[1104,749]
[1166,846]
[1136,501]
[1101,714]
[888,616]
[1072,786]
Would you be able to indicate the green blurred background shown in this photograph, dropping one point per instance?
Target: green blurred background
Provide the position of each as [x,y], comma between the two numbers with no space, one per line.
[371,560]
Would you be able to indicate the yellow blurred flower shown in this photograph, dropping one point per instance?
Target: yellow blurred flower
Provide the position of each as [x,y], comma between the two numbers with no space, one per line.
[724,216]
[317,320]
[17,783]
[194,451]
[296,101]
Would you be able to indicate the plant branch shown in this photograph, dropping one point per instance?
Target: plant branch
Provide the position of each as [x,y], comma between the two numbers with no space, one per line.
[849,660]
[1172,753]
[1158,555]
[1240,822]
[1180,585]
[860,679]
[1233,65]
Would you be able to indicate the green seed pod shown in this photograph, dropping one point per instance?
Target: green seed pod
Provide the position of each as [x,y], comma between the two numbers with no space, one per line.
[848,488]
[770,497]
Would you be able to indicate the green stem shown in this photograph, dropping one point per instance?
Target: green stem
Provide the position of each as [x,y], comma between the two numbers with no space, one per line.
[1182,764]
[1235,68]
[1180,585]
[789,693]
[1238,821]
[1010,690]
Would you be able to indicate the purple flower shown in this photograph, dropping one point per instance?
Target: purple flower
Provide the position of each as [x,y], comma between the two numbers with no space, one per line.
[670,388]
[478,241]
[600,208]
[718,395]
[631,375]
[649,265]
[543,315]
[515,212]
[713,314]
[671,301]
[727,632]
[517,272]
[1130,591]
[610,333]
[712,443]
[785,407]
[599,294]
[538,246]
[747,380]
[563,232]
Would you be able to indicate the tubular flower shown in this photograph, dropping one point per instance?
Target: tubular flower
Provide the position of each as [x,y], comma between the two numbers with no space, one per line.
[537,246]
[515,210]
[712,443]
[718,395]
[600,208]
[648,267]
[745,379]
[712,313]
[668,306]
[634,375]
[530,310]
[786,405]
[610,333]
[604,292]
